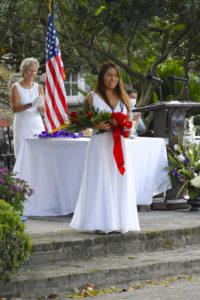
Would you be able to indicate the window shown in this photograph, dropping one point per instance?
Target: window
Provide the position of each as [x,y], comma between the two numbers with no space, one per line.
[71,84]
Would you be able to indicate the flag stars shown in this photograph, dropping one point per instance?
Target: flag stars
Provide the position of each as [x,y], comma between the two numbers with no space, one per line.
[52,48]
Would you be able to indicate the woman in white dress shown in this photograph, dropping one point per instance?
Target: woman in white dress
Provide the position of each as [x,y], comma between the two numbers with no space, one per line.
[107,200]
[27,104]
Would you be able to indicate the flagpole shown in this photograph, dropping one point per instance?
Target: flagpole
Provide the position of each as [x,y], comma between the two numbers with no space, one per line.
[55,94]
[50,6]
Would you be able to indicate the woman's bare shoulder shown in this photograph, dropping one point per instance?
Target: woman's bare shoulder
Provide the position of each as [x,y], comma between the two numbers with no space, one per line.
[89,98]
[15,84]
[14,88]
[40,89]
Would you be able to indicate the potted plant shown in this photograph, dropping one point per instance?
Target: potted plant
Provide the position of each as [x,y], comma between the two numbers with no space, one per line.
[14,190]
[184,168]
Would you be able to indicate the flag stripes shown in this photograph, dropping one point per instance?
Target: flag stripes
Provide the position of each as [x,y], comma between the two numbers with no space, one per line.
[55,94]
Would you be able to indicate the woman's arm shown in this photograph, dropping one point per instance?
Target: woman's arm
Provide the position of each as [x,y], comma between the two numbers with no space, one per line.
[15,101]
[40,90]
[101,125]
[89,99]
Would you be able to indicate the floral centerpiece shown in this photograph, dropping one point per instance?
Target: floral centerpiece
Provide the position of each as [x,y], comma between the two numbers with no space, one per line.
[13,190]
[184,167]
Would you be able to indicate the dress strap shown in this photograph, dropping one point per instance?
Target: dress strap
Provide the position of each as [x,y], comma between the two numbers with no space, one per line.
[121,104]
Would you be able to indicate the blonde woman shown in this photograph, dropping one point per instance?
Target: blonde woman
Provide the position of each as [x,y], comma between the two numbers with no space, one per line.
[27,103]
[107,200]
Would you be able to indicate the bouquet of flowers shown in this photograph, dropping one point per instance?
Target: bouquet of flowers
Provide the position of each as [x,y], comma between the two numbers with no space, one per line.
[184,167]
[13,190]
[88,117]
[120,125]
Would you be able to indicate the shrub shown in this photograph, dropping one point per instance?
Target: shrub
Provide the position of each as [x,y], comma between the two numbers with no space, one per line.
[15,245]
[13,190]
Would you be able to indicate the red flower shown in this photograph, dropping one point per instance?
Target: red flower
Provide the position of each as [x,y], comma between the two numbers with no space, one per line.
[128,124]
[90,114]
[73,115]
[119,119]
[126,133]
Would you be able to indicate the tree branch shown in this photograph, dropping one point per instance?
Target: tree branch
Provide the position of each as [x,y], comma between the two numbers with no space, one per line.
[113,58]
[156,29]
[180,38]
[129,42]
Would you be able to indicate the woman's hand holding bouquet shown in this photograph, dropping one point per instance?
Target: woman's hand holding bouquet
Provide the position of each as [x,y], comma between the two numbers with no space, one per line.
[103,126]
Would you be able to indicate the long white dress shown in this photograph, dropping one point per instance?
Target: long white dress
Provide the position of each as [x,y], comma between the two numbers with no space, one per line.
[106,199]
[27,122]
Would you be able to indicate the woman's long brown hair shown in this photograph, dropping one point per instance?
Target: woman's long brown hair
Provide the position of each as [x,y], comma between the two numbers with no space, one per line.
[119,89]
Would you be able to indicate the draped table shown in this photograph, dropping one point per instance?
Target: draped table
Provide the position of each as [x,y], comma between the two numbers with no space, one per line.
[53,167]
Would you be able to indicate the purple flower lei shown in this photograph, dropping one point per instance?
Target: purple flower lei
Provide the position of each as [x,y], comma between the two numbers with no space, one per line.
[60,134]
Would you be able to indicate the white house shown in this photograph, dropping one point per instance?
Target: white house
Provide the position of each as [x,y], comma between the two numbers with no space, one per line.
[73,84]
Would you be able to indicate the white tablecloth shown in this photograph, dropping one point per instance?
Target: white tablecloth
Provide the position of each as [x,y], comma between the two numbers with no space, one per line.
[54,167]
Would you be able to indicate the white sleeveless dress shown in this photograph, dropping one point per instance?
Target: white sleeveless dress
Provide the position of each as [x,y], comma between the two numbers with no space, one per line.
[106,200]
[27,122]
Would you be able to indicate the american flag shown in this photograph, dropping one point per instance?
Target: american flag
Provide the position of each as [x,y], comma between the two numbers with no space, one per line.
[55,95]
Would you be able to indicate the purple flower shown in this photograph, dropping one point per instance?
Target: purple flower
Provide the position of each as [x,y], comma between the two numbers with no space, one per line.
[181,157]
[175,172]
[16,187]
[44,134]
[181,178]
[2,181]
[187,160]
[60,134]
[3,171]
[30,192]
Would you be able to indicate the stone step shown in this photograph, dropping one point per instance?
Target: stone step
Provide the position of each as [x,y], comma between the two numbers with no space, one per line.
[36,281]
[67,246]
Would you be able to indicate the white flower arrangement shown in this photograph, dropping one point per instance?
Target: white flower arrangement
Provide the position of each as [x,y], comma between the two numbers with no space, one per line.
[175,147]
[181,157]
[195,182]
[184,167]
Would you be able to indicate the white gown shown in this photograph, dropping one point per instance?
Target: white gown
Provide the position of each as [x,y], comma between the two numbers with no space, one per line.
[106,199]
[27,122]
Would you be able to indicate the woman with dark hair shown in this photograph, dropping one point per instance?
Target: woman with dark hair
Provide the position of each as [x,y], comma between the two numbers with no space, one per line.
[107,200]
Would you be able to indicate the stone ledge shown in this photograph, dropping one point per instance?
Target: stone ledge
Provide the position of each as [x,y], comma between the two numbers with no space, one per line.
[58,247]
[103,271]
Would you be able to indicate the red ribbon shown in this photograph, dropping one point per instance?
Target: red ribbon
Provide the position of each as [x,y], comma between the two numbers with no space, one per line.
[117,149]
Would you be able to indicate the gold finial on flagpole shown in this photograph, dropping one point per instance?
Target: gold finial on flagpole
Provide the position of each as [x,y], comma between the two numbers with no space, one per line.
[67,123]
[50,2]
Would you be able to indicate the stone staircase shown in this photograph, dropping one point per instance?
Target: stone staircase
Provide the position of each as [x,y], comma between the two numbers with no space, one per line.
[62,261]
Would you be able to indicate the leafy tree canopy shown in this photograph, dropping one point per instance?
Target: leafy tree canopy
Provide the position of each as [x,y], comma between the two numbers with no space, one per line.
[139,36]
